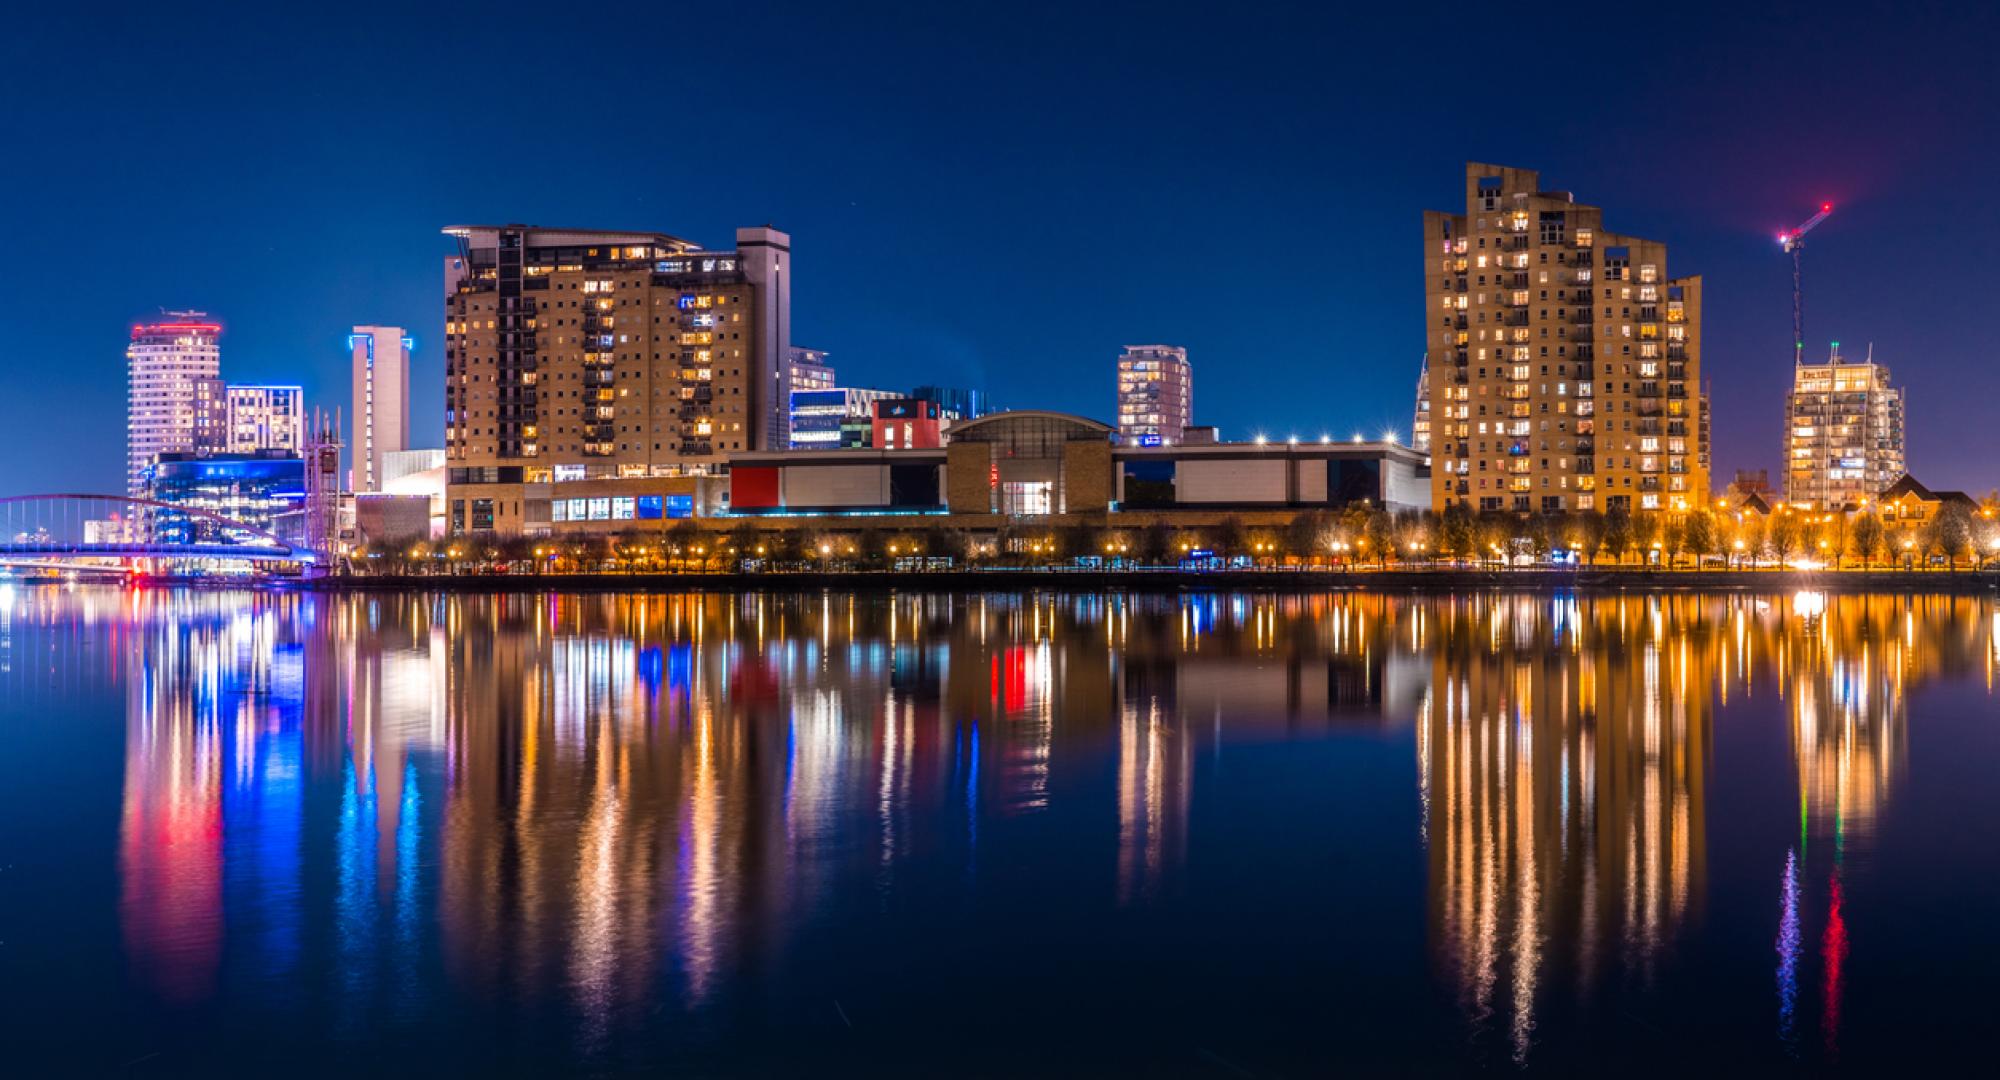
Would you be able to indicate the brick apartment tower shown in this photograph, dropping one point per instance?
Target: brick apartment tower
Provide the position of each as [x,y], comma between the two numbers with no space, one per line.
[577,353]
[1564,363]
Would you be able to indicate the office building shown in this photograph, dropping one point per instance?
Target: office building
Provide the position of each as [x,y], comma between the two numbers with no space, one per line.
[211,415]
[905,424]
[1844,433]
[1563,362]
[381,405]
[1155,394]
[170,365]
[808,369]
[805,369]
[818,416]
[262,418]
[955,404]
[590,356]
[254,489]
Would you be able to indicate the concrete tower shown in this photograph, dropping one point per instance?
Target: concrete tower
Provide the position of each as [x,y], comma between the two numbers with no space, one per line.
[381,406]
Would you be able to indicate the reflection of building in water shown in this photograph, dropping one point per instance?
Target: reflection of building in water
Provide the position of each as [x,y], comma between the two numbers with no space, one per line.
[1846,664]
[1155,781]
[170,838]
[592,798]
[1280,666]
[1563,756]
[213,748]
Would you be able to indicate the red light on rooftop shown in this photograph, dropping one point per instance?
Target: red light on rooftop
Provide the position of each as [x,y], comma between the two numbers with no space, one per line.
[145,329]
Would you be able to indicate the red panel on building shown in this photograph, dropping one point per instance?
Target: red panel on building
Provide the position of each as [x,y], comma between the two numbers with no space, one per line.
[906,424]
[753,487]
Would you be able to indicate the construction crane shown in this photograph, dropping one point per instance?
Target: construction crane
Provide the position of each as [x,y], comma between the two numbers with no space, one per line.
[1794,243]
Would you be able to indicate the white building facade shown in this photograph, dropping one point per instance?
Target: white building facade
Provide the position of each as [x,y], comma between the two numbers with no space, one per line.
[381,356]
[167,365]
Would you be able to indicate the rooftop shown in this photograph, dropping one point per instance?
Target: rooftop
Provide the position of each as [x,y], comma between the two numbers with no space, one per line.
[546,236]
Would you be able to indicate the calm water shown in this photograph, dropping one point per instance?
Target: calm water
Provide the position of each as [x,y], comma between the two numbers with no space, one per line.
[1059,835]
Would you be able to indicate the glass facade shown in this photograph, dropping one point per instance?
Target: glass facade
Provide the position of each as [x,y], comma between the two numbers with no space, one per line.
[250,489]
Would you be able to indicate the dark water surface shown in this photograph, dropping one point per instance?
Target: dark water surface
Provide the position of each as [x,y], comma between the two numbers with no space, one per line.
[1006,834]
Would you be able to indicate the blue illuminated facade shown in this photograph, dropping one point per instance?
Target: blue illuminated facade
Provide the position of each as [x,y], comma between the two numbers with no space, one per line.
[249,488]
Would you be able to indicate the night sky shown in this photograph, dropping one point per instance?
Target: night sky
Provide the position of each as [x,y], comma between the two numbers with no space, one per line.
[998,196]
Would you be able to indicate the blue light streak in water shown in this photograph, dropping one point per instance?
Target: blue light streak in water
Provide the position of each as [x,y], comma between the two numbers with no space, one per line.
[354,907]
[409,916]
[1788,954]
[972,803]
[652,669]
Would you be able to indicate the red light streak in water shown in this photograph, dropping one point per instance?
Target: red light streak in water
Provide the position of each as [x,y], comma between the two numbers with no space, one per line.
[1833,953]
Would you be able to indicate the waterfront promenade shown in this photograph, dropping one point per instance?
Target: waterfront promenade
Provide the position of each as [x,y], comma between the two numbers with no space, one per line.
[1173,580]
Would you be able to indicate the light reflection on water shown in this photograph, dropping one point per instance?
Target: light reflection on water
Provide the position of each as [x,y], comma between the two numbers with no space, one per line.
[643,825]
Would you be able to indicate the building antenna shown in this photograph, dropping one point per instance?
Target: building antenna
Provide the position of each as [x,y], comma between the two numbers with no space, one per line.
[1794,243]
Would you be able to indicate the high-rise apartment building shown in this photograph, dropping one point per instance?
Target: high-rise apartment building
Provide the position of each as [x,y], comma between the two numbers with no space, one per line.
[1843,433]
[581,355]
[381,405]
[168,365]
[1155,394]
[263,418]
[1563,362]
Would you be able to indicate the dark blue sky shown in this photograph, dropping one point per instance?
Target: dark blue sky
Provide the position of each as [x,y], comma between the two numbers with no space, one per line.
[998,195]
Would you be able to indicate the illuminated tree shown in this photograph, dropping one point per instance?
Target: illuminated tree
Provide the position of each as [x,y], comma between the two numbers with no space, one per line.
[1867,538]
[1619,534]
[1589,529]
[1455,531]
[1787,532]
[1949,533]
[1698,535]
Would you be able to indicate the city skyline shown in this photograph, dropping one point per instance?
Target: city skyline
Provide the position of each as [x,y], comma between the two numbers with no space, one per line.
[1304,234]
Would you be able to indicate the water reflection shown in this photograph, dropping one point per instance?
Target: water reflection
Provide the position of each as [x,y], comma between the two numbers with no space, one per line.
[610,806]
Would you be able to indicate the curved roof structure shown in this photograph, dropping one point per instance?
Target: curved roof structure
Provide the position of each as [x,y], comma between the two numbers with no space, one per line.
[993,426]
